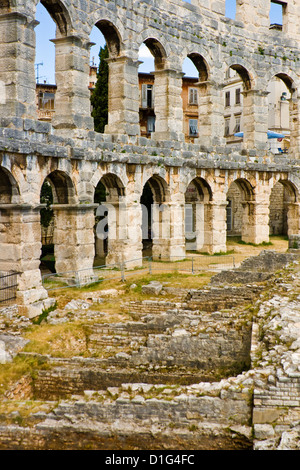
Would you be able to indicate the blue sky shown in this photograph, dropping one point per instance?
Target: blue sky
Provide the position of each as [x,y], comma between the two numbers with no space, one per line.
[45,50]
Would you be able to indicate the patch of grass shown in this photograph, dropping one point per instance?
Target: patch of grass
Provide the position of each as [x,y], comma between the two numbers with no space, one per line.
[62,340]
[43,316]
[21,366]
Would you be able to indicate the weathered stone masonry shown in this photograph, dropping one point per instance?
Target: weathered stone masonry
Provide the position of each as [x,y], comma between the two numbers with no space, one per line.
[74,158]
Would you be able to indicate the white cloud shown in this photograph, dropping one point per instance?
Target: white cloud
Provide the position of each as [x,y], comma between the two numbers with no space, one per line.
[144,52]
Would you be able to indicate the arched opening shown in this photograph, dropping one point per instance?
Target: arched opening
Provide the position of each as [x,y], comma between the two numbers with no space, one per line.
[195,96]
[106,45]
[155,216]
[10,223]
[237,81]
[6,189]
[284,210]
[152,57]
[57,189]
[239,209]
[53,23]
[280,109]
[197,215]
[110,219]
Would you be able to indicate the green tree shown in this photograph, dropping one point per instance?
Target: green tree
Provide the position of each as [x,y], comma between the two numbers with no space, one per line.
[46,198]
[99,98]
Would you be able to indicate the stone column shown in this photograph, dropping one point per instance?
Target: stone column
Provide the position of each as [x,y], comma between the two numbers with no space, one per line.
[123,97]
[124,220]
[214,237]
[290,14]
[17,73]
[293,217]
[211,114]
[20,251]
[255,118]
[168,232]
[74,239]
[72,100]
[256,222]
[294,109]
[168,105]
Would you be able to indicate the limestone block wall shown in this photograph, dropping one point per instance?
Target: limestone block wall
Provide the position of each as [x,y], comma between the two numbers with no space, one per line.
[74,158]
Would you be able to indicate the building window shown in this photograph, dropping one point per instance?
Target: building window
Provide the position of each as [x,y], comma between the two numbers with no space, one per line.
[193,127]
[193,96]
[227,98]
[227,127]
[237,127]
[147,96]
[151,124]
[46,101]
[238,96]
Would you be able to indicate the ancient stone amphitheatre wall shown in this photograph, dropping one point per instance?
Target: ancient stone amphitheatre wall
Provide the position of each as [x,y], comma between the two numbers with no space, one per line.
[74,159]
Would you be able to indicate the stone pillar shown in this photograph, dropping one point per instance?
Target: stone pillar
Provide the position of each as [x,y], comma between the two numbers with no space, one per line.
[17,73]
[293,218]
[256,222]
[255,118]
[20,251]
[214,237]
[74,239]
[123,97]
[211,114]
[72,100]
[254,14]
[168,105]
[290,15]
[294,109]
[168,232]
[124,220]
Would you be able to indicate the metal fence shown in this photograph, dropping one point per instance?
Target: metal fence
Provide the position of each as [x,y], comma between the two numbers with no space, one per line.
[123,271]
[8,287]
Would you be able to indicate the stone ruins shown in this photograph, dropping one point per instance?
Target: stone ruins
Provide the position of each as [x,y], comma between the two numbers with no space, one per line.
[74,159]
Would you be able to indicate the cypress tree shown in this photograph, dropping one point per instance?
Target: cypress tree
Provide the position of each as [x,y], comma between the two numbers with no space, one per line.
[99,98]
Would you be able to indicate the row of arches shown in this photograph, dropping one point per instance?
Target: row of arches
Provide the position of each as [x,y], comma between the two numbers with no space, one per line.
[155,221]
[72,79]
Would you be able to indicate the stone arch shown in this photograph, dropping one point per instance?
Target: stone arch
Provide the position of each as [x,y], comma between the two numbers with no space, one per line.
[201,65]
[284,208]
[240,195]
[8,187]
[237,100]
[243,71]
[60,15]
[157,44]
[62,187]
[57,194]
[283,110]
[155,215]
[158,51]
[159,188]
[112,36]
[110,218]
[198,196]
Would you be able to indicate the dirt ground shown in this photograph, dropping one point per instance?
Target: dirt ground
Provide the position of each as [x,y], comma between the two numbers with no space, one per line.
[243,251]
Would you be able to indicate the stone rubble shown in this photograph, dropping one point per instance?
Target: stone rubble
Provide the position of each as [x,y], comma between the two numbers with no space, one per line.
[130,407]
